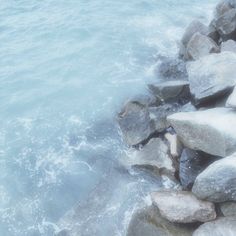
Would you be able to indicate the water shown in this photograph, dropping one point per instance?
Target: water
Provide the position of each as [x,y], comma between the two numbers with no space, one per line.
[66,67]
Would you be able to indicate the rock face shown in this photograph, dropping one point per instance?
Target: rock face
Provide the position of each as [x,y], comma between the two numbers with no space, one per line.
[183,207]
[154,153]
[228,46]
[212,131]
[135,123]
[171,91]
[212,76]
[225,226]
[199,46]
[231,102]
[226,25]
[222,8]
[192,163]
[149,222]
[228,208]
[217,182]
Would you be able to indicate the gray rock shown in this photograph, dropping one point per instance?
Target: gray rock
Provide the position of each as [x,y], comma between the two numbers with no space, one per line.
[228,208]
[199,46]
[149,222]
[155,153]
[212,76]
[225,226]
[232,3]
[229,45]
[135,123]
[231,102]
[171,91]
[183,207]
[222,8]
[192,163]
[226,25]
[212,32]
[217,182]
[212,131]
[145,99]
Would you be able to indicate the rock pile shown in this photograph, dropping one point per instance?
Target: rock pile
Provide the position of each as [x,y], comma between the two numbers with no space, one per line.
[187,131]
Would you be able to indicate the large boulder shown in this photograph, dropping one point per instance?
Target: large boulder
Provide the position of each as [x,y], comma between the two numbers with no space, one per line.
[199,46]
[183,206]
[226,25]
[228,46]
[224,226]
[135,123]
[228,208]
[231,102]
[212,76]
[192,163]
[212,131]
[221,8]
[149,222]
[217,183]
[155,153]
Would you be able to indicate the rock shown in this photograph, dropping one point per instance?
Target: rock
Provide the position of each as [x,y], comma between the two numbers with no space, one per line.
[212,76]
[225,226]
[226,25]
[222,8]
[145,99]
[171,91]
[192,163]
[156,154]
[183,207]
[173,69]
[229,46]
[231,102]
[232,3]
[135,123]
[228,208]
[149,222]
[212,32]
[212,131]
[175,145]
[217,182]
[199,46]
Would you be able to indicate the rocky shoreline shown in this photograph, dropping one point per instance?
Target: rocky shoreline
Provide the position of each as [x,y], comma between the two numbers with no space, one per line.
[185,129]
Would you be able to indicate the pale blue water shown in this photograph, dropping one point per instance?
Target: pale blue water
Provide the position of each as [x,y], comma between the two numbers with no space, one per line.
[66,66]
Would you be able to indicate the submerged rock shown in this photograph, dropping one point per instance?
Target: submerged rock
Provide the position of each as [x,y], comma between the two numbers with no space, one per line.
[231,102]
[149,222]
[192,163]
[183,207]
[199,46]
[224,226]
[229,46]
[228,208]
[212,131]
[135,123]
[212,76]
[217,182]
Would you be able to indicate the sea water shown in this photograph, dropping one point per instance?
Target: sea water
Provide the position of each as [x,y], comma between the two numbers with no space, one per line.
[66,68]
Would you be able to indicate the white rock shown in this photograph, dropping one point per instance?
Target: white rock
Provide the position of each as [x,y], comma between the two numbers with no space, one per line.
[175,145]
[229,45]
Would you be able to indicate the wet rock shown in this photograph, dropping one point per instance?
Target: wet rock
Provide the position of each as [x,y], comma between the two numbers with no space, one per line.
[171,91]
[183,207]
[149,222]
[175,145]
[212,131]
[192,163]
[212,76]
[226,25]
[212,32]
[231,102]
[199,46]
[156,154]
[228,208]
[225,226]
[135,123]
[222,8]
[232,3]
[229,46]
[217,182]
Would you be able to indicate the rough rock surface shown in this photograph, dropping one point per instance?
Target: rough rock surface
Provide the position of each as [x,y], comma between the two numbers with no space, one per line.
[212,131]
[229,45]
[231,102]
[199,46]
[135,123]
[192,163]
[217,183]
[225,226]
[228,208]
[183,206]
[212,75]
[149,222]
[154,153]
[175,144]
[222,8]
[212,32]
